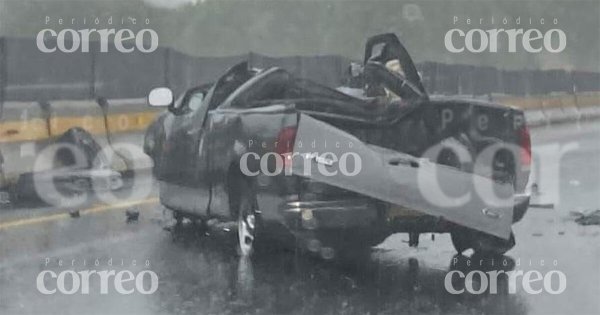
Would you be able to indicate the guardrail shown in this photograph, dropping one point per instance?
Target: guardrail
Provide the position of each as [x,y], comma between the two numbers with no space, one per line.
[552,109]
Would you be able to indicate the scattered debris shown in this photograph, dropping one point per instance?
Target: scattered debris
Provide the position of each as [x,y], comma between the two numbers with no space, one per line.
[542,205]
[69,173]
[74,214]
[587,218]
[413,239]
[156,221]
[576,214]
[132,215]
[535,190]
[535,198]
[574,182]
[4,198]
[91,150]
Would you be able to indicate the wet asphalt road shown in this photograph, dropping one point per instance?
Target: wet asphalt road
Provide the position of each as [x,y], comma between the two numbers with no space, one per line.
[201,275]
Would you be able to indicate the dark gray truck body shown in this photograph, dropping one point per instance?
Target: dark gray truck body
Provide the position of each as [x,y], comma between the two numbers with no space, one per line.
[203,151]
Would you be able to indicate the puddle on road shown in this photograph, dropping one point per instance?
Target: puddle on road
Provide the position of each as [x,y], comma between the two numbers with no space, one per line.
[199,275]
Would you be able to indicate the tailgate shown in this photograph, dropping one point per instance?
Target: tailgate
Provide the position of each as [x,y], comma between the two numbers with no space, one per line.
[401,179]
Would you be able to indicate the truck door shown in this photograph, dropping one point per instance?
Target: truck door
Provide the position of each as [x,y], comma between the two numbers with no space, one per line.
[185,185]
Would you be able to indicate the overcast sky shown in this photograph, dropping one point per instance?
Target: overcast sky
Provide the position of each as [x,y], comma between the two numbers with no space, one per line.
[286,27]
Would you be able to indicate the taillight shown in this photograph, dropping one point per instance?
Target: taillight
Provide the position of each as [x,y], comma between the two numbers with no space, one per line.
[525,143]
[285,144]
[285,140]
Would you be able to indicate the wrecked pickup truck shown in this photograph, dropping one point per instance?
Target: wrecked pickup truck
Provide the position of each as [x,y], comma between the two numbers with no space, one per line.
[339,170]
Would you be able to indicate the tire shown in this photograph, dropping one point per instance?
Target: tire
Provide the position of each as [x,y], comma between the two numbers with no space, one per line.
[244,207]
[464,238]
[481,243]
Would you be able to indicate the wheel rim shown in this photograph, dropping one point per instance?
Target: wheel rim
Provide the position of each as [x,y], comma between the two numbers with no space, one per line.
[246,228]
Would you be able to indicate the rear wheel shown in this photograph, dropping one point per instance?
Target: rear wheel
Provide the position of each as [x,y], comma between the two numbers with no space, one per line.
[503,170]
[246,229]
[244,204]
[481,243]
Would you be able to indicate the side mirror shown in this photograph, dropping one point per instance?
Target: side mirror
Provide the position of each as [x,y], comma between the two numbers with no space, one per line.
[160,97]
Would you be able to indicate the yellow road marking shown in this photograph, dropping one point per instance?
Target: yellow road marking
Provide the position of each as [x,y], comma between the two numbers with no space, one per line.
[59,216]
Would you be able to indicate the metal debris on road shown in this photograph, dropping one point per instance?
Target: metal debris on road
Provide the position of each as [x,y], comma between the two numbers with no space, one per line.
[132,215]
[542,205]
[587,218]
[535,190]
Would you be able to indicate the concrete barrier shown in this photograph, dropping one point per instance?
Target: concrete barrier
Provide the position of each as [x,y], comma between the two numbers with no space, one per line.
[129,115]
[588,99]
[555,108]
[554,114]
[127,122]
[535,117]
[589,112]
[68,114]
[26,128]
[24,131]
[524,103]
[23,121]
[571,113]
